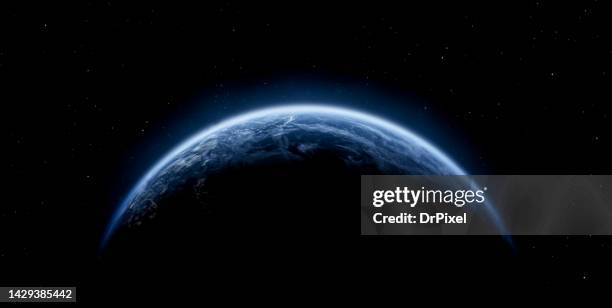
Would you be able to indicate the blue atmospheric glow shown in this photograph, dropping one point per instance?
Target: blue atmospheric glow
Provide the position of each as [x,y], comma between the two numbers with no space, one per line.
[298,108]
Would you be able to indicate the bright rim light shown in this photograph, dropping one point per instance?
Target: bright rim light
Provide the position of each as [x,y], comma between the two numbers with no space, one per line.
[286,109]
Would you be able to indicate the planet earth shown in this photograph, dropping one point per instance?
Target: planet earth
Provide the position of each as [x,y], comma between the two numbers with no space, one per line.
[281,171]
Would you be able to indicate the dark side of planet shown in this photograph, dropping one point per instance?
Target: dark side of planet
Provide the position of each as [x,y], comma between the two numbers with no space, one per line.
[286,176]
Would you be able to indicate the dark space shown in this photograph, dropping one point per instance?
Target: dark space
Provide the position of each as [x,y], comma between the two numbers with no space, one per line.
[92,93]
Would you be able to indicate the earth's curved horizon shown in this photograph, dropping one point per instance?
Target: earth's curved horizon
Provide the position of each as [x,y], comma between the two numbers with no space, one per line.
[287,135]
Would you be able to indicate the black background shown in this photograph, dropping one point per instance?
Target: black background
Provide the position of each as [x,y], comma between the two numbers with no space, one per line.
[91,94]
